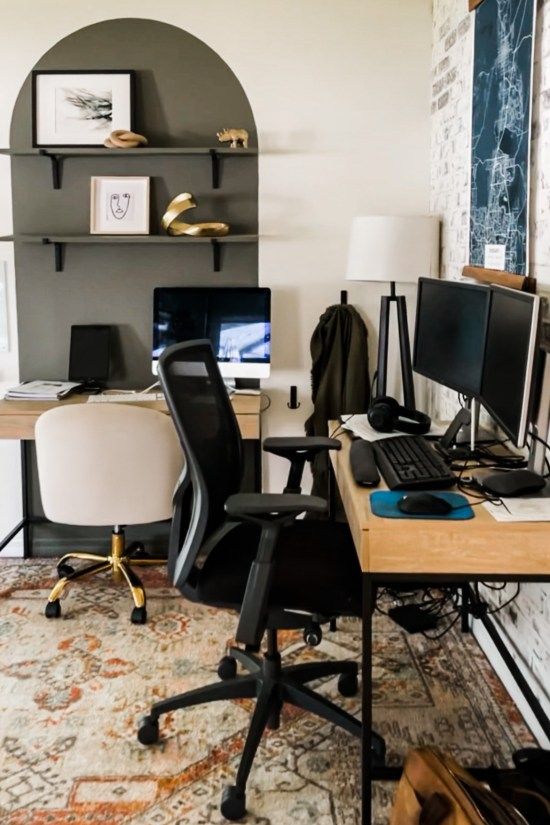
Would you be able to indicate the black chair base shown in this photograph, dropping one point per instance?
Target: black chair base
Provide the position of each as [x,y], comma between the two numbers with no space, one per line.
[272,685]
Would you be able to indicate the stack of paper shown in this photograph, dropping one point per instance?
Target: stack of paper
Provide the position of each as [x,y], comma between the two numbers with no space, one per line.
[41,390]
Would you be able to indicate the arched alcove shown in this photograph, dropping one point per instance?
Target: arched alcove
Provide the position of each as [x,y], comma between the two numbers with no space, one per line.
[185,92]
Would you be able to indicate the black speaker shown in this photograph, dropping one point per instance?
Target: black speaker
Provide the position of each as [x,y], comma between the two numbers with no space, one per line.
[386,415]
[89,358]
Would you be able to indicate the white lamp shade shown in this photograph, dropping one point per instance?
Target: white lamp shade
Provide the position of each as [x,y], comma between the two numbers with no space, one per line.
[393,248]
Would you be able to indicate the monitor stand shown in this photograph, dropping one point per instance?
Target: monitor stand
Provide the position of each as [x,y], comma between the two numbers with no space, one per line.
[464,432]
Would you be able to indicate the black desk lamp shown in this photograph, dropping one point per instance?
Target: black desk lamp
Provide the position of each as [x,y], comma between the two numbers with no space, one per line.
[395,249]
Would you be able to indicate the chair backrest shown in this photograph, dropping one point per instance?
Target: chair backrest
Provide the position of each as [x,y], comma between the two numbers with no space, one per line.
[107,464]
[207,426]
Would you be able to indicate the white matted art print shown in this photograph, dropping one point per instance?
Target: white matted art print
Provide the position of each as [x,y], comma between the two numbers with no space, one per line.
[119,206]
[80,108]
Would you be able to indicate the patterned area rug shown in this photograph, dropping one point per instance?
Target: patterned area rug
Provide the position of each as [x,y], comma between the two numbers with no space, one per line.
[72,690]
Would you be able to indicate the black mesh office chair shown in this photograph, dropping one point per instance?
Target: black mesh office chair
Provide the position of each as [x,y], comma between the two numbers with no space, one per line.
[248,553]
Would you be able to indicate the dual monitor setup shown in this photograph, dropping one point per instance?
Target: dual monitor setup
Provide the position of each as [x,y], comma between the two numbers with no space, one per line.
[481,341]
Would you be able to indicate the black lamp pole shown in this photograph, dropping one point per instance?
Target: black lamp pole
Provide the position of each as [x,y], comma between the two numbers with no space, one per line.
[404,346]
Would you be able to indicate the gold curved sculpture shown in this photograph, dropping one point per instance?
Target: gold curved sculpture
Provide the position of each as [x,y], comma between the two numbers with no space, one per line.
[198,230]
[123,139]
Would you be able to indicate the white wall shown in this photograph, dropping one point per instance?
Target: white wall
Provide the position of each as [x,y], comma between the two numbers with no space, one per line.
[340,93]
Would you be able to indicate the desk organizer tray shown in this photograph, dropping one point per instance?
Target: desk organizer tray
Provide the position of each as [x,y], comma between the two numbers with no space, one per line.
[384,504]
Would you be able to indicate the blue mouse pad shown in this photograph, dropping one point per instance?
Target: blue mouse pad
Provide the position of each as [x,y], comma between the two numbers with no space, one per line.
[384,504]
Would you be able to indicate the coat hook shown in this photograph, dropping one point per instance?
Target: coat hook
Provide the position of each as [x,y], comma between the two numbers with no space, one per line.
[293,403]
[344,296]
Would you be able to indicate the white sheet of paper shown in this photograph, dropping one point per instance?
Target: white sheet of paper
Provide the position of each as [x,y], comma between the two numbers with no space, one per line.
[521,509]
[359,425]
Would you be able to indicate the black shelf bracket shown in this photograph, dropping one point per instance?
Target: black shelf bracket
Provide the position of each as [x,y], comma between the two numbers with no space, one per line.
[56,163]
[57,253]
[216,168]
[216,255]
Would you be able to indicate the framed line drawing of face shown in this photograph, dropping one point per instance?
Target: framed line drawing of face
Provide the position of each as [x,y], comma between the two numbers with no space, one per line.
[81,107]
[119,206]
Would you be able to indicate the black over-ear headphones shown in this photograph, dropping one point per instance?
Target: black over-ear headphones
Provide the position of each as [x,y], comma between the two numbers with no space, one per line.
[385,415]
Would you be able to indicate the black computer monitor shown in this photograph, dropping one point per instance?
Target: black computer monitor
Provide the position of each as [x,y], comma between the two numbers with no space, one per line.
[449,339]
[509,363]
[89,357]
[237,320]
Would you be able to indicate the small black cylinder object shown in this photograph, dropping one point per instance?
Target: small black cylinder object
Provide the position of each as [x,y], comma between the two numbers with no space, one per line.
[293,403]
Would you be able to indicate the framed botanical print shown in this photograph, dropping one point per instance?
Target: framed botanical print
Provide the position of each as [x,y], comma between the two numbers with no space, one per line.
[81,107]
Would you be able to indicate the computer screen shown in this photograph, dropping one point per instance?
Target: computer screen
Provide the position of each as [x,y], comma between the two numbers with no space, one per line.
[237,320]
[451,325]
[509,364]
[89,353]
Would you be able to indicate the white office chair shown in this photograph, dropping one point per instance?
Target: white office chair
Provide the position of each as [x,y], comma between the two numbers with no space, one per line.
[105,465]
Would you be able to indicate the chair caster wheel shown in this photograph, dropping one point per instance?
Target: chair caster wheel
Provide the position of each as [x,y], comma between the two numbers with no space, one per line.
[64,570]
[139,615]
[148,730]
[313,635]
[53,610]
[227,668]
[348,684]
[233,805]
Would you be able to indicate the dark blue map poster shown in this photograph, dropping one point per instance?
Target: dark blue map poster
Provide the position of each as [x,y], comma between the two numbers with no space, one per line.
[501,120]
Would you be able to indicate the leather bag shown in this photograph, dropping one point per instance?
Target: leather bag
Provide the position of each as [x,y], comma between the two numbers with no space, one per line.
[436,790]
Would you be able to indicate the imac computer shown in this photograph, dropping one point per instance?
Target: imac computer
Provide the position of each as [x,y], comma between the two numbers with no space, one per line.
[509,368]
[451,325]
[237,320]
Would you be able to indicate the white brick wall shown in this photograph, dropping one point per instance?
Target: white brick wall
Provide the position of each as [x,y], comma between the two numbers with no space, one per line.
[527,621]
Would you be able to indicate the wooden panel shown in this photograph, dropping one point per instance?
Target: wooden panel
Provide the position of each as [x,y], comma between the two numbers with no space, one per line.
[478,546]
[18,418]
[497,276]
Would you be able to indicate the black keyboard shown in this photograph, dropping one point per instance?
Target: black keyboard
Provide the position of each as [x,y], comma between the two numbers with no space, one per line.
[409,462]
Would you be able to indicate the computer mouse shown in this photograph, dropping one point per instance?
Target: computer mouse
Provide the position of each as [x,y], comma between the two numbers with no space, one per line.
[423,504]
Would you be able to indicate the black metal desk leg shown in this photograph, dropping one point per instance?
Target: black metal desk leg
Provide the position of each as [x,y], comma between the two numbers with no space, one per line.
[25,497]
[464,608]
[366,740]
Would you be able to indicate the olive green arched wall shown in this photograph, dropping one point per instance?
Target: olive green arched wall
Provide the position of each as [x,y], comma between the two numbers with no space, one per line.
[185,93]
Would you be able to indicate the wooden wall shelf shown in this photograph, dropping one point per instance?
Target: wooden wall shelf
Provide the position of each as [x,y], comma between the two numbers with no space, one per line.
[58,155]
[58,242]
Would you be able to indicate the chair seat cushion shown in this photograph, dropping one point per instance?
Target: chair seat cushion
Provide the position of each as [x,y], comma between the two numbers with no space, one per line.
[316,569]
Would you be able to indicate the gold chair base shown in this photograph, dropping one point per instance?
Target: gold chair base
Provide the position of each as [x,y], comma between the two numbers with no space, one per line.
[120,566]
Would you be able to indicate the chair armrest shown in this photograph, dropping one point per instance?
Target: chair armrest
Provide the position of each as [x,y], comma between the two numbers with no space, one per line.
[256,505]
[312,445]
[298,450]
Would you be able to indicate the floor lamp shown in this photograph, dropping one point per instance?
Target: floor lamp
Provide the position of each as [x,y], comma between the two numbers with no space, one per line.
[394,249]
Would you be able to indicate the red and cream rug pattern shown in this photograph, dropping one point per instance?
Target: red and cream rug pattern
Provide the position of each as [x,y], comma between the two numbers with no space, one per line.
[73,689]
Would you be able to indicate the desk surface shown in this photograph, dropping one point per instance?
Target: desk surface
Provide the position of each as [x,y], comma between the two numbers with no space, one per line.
[18,418]
[478,546]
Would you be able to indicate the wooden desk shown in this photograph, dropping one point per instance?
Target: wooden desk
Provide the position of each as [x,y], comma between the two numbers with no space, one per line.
[18,418]
[452,552]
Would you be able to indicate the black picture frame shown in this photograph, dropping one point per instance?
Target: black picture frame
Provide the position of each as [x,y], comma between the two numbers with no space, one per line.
[36,73]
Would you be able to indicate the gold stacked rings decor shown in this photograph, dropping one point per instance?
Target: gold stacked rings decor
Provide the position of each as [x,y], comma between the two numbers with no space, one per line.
[174,226]
[123,139]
